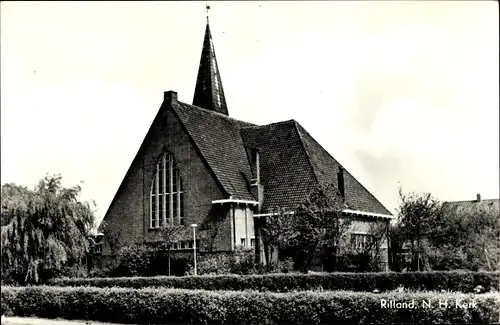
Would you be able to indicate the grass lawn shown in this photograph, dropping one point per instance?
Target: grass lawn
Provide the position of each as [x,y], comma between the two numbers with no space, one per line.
[42,321]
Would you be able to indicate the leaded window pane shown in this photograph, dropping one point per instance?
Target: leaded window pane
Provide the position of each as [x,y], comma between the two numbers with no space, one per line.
[168,205]
[161,173]
[160,208]
[174,203]
[182,208]
[167,198]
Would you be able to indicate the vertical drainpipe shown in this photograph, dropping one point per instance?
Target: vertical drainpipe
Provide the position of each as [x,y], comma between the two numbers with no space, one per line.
[258,192]
[247,240]
[231,218]
[234,228]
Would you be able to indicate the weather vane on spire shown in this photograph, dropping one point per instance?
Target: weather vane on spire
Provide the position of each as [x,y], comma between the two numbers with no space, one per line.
[208,8]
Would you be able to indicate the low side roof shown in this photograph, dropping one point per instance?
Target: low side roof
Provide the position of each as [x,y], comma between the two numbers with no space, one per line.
[325,168]
[471,206]
[292,162]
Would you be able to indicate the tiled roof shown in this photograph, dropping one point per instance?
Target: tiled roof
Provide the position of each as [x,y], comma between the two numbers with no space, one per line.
[218,138]
[467,207]
[285,171]
[292,162]
[325,168]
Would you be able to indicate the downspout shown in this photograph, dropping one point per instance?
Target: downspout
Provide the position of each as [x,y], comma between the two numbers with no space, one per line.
[234,227]
[258,192]
[247,239]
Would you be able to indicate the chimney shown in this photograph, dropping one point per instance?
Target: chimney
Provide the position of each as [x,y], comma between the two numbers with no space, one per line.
[170,96]
[256,188]
[478,196]
[340,181]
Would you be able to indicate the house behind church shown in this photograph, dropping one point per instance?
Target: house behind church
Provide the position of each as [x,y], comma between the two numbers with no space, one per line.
[197,165]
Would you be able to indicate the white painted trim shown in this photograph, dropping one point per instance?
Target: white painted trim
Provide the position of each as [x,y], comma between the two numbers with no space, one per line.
[369,214]
[363,213]
[271,214]
[235,201]
[264,215]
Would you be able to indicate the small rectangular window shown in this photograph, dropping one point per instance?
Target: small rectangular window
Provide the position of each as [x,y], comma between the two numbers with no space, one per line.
[361,241]
[243,241]
[98,248]
[252,242]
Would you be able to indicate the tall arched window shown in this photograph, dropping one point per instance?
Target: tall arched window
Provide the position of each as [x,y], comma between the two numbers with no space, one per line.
[167,194]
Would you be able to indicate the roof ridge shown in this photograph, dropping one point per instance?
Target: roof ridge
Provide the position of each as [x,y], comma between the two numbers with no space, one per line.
[274,123]
[471,201]
[215,113]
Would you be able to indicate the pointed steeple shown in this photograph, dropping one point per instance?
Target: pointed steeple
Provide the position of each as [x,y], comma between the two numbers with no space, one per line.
[208,92]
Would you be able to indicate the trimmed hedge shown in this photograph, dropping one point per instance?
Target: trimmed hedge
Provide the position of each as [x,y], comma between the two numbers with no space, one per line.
[176,306]
[450,281]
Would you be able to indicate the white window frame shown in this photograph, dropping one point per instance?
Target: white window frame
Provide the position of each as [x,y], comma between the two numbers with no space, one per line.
[360,240]
[174,178]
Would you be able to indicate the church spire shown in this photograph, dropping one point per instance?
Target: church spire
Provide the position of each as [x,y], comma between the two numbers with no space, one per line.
[208,92]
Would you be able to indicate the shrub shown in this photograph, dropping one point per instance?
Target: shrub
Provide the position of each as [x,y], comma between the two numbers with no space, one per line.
[142,260]
[212,264]
[132,261]
[241,261]
[451,281]
[174,306]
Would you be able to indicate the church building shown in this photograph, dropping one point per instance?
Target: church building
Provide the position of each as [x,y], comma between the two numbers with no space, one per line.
[197,165]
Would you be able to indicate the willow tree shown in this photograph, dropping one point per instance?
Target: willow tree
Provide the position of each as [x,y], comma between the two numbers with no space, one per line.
[43,230]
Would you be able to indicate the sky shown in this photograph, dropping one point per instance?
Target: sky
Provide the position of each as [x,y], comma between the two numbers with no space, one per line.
[400,93]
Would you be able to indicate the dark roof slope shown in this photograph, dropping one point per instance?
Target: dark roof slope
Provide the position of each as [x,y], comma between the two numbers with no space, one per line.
[292,162]
[325,168]
[468,207]
[218,138]
[285,171]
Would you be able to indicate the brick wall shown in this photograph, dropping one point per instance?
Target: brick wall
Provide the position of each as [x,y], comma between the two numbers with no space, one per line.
[128,215]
